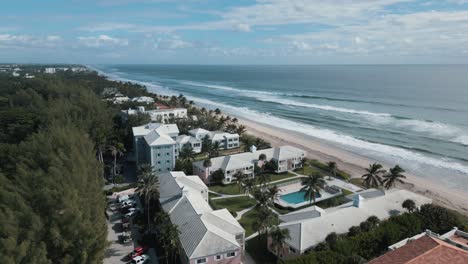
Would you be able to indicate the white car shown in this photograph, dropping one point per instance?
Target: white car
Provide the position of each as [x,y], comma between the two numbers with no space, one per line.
[140,259]
[131,212]
[127,203]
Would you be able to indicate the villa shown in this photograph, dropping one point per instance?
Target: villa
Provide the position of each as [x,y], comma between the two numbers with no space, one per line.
[428,247]
[309,227]
[143,99]
[206,235]
[155,144]
[184,140]
[287,158]
[223,139]
[164,115]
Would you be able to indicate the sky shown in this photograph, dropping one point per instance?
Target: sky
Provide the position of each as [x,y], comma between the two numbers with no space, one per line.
[234,31]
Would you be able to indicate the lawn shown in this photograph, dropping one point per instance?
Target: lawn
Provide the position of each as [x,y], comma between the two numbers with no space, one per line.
[248,221]
[308,170]
[232,188]
[256,247]
[233,205]
[277,177]
[357,181]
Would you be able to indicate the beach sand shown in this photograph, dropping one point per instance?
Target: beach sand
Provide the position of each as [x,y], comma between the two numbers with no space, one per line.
[354,164]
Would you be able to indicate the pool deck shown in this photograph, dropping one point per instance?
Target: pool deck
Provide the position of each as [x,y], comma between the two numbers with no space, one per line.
[296,186]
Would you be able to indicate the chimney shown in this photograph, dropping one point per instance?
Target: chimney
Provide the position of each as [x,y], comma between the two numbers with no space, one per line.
[253,149]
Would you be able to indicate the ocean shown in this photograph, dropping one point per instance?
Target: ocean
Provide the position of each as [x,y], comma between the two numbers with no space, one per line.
[412,115]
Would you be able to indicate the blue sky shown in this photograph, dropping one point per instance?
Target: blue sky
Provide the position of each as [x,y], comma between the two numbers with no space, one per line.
[234,32]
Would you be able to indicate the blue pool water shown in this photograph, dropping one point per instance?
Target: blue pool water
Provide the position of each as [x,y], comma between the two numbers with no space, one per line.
[296,197]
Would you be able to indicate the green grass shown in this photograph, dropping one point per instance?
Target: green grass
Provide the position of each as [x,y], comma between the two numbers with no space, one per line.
[227,189]
[357,181]
[277,177]
[248,221]
[233,205]
[213,195]
[308,170]
[258,251]
[287,180]
[322,166]
[346,192]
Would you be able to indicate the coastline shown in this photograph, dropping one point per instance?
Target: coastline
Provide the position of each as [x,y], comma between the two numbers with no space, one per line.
[354,163]
[350,162]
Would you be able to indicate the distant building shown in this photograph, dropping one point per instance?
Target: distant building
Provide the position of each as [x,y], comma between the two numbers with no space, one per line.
[164,115]
[286,157]
[143,99]
[223,139]
[15,74]
[206,235]
[49,70]
[155,145]
[27,76]
[428,248]
[184,140]
[307,228]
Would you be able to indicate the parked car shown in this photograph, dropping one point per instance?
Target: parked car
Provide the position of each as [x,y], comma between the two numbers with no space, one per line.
[140,259]
[138,251]
[131,213]
[128,203]
[127,210]
[123,198]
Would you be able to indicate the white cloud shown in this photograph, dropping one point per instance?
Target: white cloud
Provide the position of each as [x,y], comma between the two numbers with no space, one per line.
[28,41]
[243,28]
[301,45]
[172,43]
[102,41]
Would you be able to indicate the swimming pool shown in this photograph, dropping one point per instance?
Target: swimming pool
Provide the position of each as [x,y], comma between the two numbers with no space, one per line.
[296,197]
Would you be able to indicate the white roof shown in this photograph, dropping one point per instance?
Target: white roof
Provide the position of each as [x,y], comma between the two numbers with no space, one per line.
[155,139]
[183,139]
[204,232]
[160,128]
[308,233]
[199,131]
[241,160]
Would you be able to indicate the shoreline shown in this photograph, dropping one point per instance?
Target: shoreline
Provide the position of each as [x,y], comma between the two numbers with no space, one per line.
[350,162]
[354,163]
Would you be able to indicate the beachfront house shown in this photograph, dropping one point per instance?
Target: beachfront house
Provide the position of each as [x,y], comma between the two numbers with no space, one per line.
[309,227]
[287,158]
[223,139]
[184,140]
[155,144]
[143,99]
[428,247]
[206,235]
[164,115]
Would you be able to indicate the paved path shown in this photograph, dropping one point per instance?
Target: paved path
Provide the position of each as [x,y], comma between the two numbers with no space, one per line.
[240,213]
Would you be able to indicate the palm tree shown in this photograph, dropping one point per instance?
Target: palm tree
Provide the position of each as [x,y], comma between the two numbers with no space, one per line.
[240,130]
[372,177]
[409,205]
[278,237]
[312,186]
[214,152]
[187,152]
[170,241]
[249,184]
[265,218]
[273,192]
[207,165]
[116,150]
[304,162]
[240,178]
[332,168]
[264,178]
[393,176]
[148,188]
[262,198]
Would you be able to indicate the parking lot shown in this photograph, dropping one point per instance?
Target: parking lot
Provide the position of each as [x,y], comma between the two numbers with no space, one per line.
[117,251]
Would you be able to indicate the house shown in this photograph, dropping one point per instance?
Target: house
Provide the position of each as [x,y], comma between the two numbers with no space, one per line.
[155,145]
[307,228]
[118,99]
[184,140]
[286,157]
[143,99]
[164,115]
[49,70]
[223,139]
[206,235]
[428,248]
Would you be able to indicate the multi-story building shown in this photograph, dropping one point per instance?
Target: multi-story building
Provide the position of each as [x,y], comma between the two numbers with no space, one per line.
[155,145]
[223,139]
[184,140]
[286,157]
[49,70]
[206,235]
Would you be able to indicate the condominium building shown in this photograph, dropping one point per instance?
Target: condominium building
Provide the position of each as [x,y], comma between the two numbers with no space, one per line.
[286,157]
[206,235]
[155,145]
[223,139]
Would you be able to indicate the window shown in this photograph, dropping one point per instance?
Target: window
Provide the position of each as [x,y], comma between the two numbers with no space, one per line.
[159,162]
[168,161]
[202,260]
[159,154]
[292,250]
[167,153]
[218,257]
[231,254]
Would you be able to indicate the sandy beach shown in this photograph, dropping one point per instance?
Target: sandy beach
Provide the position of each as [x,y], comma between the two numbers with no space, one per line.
[355,164]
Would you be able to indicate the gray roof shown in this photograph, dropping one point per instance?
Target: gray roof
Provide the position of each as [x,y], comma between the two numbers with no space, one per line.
[300,216]
[367,194]
[295,234]
[168,188]
[154,138]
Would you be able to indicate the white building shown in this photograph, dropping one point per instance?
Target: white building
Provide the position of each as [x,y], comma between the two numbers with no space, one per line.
[49,70]
[309,227]
[184,140]
[155,145]
[286,157]
[164,115]
[15,74]
[206,235]
[223,139]
[143,99]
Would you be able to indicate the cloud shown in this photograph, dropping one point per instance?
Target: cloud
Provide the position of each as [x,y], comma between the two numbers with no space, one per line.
[172,43]
[102,41]
[243,28]
[301,45]
[28,41]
